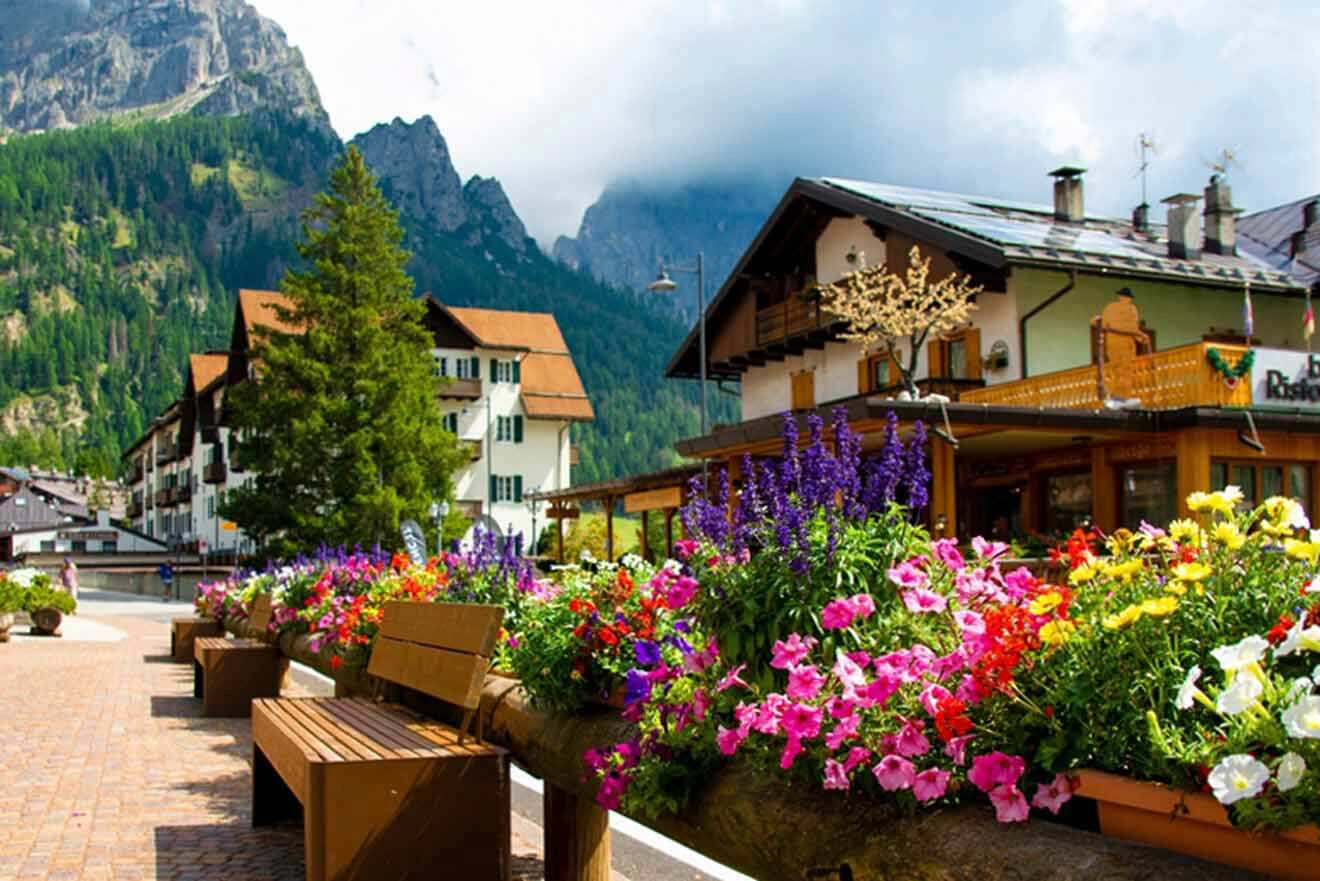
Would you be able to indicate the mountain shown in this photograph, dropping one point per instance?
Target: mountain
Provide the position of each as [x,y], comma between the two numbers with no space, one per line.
[633,225]
[70,62]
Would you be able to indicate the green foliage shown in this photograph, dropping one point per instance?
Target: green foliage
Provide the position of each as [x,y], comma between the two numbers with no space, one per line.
[11,596]
[43,596]
[341,429]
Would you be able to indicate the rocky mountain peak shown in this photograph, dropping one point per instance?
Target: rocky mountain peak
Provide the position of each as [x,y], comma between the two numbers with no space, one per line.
[68,62]
[495,213]
[413,163]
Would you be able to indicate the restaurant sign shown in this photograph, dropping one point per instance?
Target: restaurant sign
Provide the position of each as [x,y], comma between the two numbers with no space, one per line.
[75,535]
[1286,378]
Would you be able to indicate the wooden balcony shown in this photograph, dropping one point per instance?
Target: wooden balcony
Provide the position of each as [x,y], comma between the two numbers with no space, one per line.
[574,455]
[465,389]
[214,472]
[788,319]
[166,453]
[474,447]
[165,497]
[1167,380]
[134,509]
[134,473]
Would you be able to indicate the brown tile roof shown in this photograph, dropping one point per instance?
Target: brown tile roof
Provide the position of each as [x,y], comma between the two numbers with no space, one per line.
[258,309]
[575,408]
[506,329]
[206,369]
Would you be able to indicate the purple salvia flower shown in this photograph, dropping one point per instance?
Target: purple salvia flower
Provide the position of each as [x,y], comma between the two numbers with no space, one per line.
[916,477]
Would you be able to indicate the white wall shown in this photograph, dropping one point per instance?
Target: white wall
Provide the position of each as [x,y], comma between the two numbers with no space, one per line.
[997,316]
[126,542]
[842,234]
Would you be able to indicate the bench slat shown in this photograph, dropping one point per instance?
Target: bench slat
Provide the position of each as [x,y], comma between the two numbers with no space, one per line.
[379,725]
[458,627]
[287,753]
[261,614]
[453,677]
[329,732]
[306,736]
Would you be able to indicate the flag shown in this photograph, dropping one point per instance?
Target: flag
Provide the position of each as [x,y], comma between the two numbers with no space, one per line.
[1248,313]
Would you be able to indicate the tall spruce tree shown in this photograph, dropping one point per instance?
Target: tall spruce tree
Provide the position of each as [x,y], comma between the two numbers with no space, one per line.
[340,426]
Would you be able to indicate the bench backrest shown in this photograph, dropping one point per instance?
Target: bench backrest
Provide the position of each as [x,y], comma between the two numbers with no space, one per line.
[260,615]
[441,649]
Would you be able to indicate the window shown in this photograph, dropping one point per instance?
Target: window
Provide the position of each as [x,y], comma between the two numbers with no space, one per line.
[1261,480]
[1068,499]
[957,356]
[505,371]
[80,547]
[505,488]
[210,506]
[109,547]
[1148,492]
[441,366]
[466,368]
[449,422]
[509,429]
[48,547]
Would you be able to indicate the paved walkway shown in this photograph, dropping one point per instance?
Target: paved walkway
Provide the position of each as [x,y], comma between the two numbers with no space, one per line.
[108,772]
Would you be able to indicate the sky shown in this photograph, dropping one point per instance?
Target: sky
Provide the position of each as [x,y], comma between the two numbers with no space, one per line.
[557,100]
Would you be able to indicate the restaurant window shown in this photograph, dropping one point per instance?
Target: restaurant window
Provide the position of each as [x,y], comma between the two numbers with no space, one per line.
[48,547]
[1148,492]
[109,547]
[80,547]
[1068,498]
[1261,480]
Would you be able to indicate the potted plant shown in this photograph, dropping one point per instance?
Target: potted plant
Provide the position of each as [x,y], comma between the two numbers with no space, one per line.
[11,601]
[47,607]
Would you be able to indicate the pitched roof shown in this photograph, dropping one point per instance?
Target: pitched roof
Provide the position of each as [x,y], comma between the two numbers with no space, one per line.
[258,309]
[26,509]
[207,368]
[1267,236]
[507,329]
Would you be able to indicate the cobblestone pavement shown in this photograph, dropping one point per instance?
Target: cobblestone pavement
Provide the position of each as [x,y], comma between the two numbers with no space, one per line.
[108,772]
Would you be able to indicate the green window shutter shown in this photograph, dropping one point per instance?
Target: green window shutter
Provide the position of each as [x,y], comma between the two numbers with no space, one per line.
[517,372]
[494,370]
[476,368]
[494,482]
[517,429]
[517,487]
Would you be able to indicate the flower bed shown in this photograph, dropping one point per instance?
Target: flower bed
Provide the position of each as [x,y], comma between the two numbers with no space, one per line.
[823,638]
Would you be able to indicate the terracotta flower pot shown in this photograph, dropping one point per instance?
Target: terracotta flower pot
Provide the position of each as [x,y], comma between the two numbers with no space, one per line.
[46,622]
[1196,824]
[6,622]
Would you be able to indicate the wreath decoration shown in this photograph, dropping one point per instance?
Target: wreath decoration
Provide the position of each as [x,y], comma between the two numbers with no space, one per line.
[1231,373]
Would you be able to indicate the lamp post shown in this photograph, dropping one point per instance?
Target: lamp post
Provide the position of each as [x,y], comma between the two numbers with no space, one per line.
[532,502]
[664,284]
[439,511]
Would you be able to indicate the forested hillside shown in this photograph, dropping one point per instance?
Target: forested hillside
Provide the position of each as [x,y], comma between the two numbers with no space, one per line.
[121,249]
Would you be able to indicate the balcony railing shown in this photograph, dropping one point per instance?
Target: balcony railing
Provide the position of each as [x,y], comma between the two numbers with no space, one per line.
[467,389]
[1167,380]
[165,497]
[474,447]
[134,509]
[166,453]
[134,474]
[214,472]
[789,318]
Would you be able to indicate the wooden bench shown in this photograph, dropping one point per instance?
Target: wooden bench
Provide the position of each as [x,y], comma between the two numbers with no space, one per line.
[229,673]
[183,631]
[384,792]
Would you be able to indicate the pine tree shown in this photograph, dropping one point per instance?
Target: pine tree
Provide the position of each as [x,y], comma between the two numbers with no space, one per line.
[341,426]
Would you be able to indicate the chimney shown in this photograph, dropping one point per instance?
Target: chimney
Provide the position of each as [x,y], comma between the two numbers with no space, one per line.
[1184,226]
[1141,218]
[1068,194]
[1310,211]
[1220,217]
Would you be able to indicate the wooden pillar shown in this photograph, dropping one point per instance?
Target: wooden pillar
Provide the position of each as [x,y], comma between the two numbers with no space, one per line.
[577,837]
[943,487]
[1192,448]
[1104,497]
[646,547]
[559,531]
[669,532]
[609,529]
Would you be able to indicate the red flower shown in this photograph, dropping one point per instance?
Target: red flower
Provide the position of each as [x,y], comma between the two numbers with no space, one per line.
[335,662]
[606,635]
[949,719]
[1279,632]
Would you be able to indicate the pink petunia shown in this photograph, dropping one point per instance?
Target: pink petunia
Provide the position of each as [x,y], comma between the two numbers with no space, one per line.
[685,547]
[770,713]
[860,658]
[836,775]
[732,678]
[1054,795]
[969,692]
[791,652]
[879,691]
[837,615]
[728,739]
[946,551]
[840,708]
[801,721]
[863,605]
[956,748]
[995,769]
[850,675]
[1019,582]
[894,773]
[1010,804]
[970,623]
[908,576]
[930,784]
[892,664]
[921,659]
[911,742]
[932,696]
[856,756]
[804,682]
[792,750]
[988,550]
[845,730]
[921,601]
[681,592]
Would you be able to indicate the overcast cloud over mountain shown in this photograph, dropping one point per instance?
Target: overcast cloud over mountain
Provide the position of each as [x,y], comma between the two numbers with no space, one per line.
[560,99]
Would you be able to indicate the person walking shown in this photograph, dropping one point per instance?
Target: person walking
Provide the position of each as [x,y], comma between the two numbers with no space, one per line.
[69,578]
[166,573]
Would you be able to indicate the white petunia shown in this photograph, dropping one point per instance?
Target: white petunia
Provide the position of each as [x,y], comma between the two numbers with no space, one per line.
[1241,654]
[1232,494]
[1238,777]
[1187,693]
[1299,687]
[1291,769]
[1299,636]
[1302,719]
[1239,696]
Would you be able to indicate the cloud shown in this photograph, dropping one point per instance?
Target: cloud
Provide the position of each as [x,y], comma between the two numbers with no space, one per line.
[557,100]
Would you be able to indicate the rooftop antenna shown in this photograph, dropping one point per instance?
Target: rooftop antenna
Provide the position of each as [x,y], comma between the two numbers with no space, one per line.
[1219,166]
[1145,149]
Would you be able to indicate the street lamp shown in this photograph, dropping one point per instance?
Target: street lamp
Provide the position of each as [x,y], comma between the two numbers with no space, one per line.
[439,511]
[663,284]
[532,503]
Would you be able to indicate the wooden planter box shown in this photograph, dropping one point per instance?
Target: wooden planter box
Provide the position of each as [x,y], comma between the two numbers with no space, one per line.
[1196,824]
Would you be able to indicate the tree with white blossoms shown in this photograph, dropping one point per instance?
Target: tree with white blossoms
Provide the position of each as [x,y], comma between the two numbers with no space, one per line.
[885,310]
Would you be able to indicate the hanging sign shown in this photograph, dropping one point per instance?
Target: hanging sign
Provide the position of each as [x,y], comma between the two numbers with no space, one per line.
[1286,378]
[414,540]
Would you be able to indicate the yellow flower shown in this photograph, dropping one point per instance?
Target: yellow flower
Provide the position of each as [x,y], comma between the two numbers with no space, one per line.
[1301,550]
[1081,574]
[1161,607]
[1057,632]
[1045,603]
[1124,571]
[1191,571]
[1199,501]
[1227,534]
[1283,515]
[1176,587]
[1185,532]
[1123,540]
[1228,498]
[1128,616]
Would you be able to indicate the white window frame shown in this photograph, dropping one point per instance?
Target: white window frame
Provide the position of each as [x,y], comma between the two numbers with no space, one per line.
[503,488]
[504,429]
[463,367]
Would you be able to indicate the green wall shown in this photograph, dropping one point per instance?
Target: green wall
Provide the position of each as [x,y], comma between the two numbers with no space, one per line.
[1059,337]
